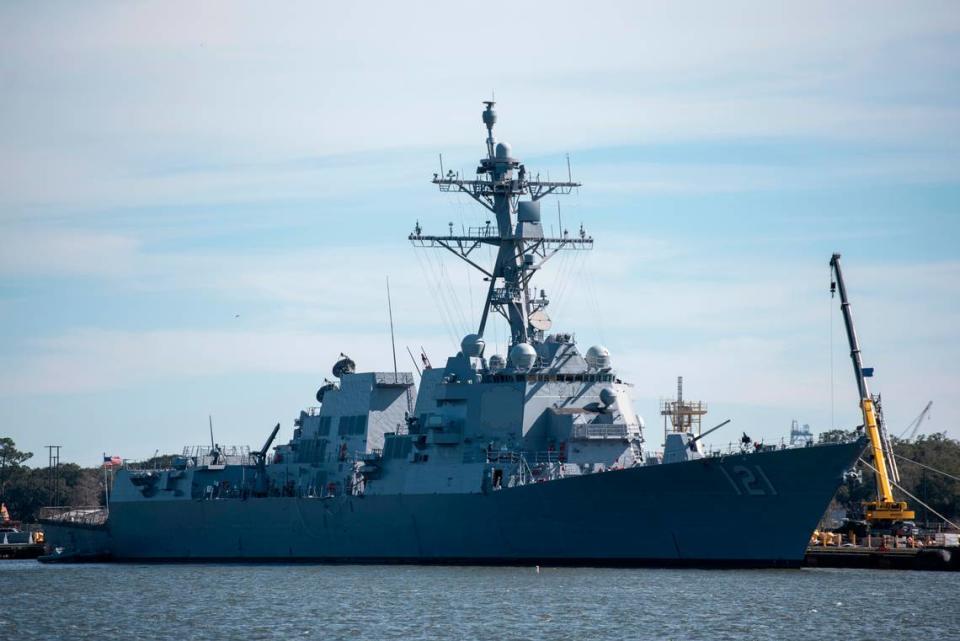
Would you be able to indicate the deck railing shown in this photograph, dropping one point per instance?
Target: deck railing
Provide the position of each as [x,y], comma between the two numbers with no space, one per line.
[530,458]
[225,455]
[94,515]
[600,432]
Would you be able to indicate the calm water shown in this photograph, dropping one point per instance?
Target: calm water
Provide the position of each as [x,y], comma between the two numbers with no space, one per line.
[370,603]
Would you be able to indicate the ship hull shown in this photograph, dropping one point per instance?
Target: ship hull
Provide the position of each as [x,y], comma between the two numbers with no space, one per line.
[755,510]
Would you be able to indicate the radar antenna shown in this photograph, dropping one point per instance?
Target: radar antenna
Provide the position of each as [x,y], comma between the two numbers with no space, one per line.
[499,185]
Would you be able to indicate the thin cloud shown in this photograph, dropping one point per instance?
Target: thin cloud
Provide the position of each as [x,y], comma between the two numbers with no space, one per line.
[181,163]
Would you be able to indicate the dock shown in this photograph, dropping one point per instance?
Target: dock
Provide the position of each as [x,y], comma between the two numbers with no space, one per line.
[16,543]
[20,550]
[931,558]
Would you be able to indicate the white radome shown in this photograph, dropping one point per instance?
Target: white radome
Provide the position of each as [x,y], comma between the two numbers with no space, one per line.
[607,396]
[598,357]
[472,345]
[523,355]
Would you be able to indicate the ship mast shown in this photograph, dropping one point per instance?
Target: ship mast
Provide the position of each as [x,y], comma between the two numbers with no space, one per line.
[501,180]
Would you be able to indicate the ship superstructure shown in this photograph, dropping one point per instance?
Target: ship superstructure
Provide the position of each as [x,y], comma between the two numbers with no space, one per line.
[535,455]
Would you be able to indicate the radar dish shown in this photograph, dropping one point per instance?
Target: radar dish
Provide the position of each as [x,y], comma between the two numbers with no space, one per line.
[539,320]
[344,366]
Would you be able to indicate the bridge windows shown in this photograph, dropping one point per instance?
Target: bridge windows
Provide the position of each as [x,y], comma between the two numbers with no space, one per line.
[550,378]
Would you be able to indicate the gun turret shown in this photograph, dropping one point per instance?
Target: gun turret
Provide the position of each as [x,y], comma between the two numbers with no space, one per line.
[266,446]
[261,485]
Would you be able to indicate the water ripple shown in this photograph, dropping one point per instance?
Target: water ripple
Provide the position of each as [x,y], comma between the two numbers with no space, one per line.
[370,603]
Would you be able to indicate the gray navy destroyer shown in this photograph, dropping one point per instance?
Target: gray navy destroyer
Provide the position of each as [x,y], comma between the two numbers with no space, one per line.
[531,457]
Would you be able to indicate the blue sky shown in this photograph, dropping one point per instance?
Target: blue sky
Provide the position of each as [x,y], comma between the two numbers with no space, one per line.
[199,203]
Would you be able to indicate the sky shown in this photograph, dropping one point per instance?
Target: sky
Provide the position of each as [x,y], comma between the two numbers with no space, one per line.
[200,204]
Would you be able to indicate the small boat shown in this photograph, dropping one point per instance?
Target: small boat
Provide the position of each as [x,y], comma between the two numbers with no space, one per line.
[14,542]
[59,555]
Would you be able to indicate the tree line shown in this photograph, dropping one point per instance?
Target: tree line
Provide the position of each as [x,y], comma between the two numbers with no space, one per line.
[915,457]
[24,489]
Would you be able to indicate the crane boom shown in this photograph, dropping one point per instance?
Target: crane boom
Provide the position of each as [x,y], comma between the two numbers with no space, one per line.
[885,508]
[911,429]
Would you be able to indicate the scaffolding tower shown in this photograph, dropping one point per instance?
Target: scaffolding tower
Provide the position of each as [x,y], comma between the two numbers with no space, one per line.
[680,415]
[800,435]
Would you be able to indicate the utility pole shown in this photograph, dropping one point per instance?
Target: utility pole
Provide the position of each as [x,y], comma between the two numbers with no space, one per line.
[53,467]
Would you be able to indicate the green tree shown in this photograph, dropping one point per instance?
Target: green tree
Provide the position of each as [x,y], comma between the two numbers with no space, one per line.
[936,489]
[916,460]
[25,490]
[10,460]
[837,436]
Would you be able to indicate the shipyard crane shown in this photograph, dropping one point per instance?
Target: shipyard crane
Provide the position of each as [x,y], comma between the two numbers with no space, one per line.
[915,423]
[885,510]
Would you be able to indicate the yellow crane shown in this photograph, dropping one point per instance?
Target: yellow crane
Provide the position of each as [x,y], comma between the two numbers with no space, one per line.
[885,510]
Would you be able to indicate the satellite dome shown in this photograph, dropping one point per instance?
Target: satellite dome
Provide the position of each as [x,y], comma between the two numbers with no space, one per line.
[496,363]
[598,357]
[503,150]
[523,355]
[472,345]
[607,396]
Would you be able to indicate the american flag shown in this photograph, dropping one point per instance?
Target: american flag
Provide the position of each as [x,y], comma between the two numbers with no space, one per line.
[111,461]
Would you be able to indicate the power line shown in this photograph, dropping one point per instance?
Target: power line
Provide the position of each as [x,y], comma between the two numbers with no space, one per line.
[932,469]
[833,422]
[900,487]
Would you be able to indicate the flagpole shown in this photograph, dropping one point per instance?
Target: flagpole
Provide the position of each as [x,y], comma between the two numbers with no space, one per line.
[106,485]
